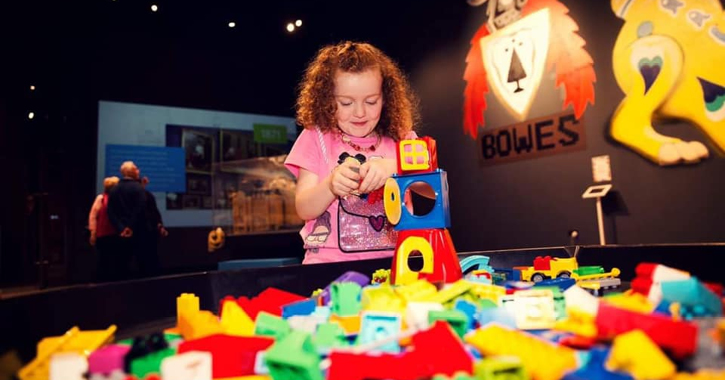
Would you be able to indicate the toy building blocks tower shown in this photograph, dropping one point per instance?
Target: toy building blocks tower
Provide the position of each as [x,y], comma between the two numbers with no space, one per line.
[425,234]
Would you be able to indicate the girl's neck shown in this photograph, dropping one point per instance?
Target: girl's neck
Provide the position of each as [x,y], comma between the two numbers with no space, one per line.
[371,134]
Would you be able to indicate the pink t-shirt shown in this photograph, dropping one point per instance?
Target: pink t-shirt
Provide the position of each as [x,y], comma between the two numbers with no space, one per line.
[365,231]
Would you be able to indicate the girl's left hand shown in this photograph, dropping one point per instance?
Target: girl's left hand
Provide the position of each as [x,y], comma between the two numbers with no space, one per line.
[374,174]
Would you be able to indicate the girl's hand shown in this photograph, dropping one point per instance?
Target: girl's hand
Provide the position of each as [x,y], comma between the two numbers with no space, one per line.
[374,174]
[345,178]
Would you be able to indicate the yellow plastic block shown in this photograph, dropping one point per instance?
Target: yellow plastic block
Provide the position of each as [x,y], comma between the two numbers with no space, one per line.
[186,302]
[635,353]
[200,324]
[542,359]
[382,298]
[350,324]
[74,340]
[456,289]
[403,274]
[418,291]
[413,155]
[488,291]
[578,322]
[631,301]
[235,320]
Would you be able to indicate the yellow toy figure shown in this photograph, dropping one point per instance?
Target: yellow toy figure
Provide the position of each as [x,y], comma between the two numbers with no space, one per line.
[668,61]
[215,239]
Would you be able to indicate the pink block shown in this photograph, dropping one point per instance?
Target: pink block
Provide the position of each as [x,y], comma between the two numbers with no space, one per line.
[107,359]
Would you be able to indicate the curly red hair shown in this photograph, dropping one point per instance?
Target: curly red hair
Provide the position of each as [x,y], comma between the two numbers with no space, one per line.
[316,104]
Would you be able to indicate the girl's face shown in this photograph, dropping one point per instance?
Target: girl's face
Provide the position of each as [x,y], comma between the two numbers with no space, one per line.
[359,100]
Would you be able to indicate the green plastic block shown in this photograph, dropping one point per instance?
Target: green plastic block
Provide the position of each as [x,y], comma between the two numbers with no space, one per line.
[294,357]
[500,368]
[150,363]
[345,297]
[455,318]
[271,325]
[329,335]
[486,303]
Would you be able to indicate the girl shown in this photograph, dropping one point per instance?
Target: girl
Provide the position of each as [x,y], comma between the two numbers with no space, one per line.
[355,105]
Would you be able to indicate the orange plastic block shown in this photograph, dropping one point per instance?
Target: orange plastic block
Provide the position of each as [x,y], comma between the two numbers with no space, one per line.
[195,325]
[542,359]
[351,324]
[74,340]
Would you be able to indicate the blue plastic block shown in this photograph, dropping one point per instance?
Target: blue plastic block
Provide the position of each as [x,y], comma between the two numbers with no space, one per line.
[257,263]
[375,326]
[439,216]
[468,309]
[305,307]
[498,315]
[594,369]
[694,297]
[476,262]
[562,283]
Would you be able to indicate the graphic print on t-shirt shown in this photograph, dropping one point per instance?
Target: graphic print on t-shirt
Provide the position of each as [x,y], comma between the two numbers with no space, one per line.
[320,231]
[362,225]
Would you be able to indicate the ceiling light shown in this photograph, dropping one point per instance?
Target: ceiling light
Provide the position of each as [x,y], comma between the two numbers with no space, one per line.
[298,23]
[290,27]
[232,24]
[154,8]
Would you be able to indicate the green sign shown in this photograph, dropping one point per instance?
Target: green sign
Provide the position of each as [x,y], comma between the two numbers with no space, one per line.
[270,134]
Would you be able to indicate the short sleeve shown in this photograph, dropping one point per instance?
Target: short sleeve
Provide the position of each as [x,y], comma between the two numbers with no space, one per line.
[411,135]
[305,154]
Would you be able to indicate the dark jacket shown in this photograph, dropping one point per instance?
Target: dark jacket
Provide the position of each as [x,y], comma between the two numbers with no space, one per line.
[127,206]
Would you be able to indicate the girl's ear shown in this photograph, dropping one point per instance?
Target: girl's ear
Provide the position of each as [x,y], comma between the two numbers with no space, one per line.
[342,157]
[360,157]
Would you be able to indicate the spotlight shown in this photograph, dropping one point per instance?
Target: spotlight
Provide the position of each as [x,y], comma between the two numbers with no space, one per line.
[290,27]
[232,24]
[32,88]
[31,115]
[298,23]
[154,8]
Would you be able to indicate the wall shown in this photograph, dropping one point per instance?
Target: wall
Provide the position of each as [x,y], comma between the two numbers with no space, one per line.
[536,202]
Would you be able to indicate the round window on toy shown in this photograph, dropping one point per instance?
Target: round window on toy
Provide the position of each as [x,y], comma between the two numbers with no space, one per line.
[420,198]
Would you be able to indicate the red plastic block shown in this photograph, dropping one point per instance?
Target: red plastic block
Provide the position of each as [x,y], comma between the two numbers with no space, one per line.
[232,356]
[270,300]
[542,263]
[677,337]
[435,351]
[438,350]
[350,366]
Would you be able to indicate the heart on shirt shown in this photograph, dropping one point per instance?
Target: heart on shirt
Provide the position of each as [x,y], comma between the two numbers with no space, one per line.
[377,222]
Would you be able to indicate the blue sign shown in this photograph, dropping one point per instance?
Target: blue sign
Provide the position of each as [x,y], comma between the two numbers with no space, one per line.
[164,166]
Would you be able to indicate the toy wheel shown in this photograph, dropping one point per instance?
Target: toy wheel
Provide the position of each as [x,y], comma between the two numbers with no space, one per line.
[538,277]
[564,274]
[392,201]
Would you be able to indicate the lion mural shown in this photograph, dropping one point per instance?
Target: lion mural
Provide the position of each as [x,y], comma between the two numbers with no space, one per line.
[668,59]
[522,40]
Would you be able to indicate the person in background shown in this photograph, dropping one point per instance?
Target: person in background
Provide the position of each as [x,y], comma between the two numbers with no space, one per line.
[149,259]
[127,213]
[355,104]
[104,236]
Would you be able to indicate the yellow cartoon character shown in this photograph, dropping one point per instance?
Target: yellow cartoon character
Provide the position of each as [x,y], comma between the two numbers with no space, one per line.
[668,60]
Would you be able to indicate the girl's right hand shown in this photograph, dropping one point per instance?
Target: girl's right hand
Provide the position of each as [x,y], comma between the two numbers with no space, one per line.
[345,178]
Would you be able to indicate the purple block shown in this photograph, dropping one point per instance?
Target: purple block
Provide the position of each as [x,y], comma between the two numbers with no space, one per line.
[350,276]
[107,359]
